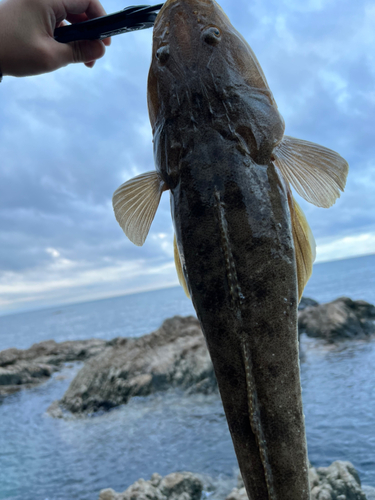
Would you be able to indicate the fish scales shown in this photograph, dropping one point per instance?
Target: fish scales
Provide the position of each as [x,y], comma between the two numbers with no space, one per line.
[243,248]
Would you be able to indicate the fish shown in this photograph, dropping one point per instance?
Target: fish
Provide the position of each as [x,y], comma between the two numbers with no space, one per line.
[243,247]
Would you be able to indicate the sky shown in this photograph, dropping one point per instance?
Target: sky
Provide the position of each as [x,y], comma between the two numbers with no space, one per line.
[68,139]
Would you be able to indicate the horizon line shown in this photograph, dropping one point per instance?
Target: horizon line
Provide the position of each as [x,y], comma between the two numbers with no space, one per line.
[137,292]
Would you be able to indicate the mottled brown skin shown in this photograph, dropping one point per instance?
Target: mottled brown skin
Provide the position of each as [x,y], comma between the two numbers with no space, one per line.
[215,124]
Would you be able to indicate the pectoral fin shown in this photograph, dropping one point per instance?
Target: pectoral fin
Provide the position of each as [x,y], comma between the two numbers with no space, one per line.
[316,173]
[135,203]
[304,243]
[180,273]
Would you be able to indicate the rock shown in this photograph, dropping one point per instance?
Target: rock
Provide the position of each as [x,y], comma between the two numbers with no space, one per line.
[25,368]
[237,494]
[55,410]
[338,320]
[306,302]
[175,486]
[108,494]
[175,355]
[181,486]
[339,481]
[205,386]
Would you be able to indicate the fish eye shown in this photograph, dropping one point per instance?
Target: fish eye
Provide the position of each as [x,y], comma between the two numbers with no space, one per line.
[212,35]
[162,54]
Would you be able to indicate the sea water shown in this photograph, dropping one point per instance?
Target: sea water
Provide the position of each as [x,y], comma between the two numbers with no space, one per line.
[44,458]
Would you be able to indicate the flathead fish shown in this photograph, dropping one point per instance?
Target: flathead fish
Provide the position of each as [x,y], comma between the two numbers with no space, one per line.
[243,248]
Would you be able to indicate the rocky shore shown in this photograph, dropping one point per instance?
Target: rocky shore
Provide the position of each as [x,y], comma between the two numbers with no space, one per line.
[174,356]
[26,368]
[339,481]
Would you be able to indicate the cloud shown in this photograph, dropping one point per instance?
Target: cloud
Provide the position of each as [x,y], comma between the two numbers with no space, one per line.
[349,246]
[63,281]
[70,138]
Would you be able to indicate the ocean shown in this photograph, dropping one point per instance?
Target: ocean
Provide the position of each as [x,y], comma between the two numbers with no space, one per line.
[42,458]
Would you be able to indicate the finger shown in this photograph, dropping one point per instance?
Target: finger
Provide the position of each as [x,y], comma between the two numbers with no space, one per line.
[85,51]
[79,18]
[90,64]
[92,8]
[76,18]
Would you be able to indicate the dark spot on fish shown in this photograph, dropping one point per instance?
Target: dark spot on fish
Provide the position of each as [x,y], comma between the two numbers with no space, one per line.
[162,54]
[274,371]
[212,35]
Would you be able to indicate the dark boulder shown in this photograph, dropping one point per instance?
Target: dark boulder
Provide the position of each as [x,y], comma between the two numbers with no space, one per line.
[306,302]
[338,320]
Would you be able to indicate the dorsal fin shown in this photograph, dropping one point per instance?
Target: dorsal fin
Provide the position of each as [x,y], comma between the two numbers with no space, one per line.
[316,173]
[180,273]
[135,203]
[304,243]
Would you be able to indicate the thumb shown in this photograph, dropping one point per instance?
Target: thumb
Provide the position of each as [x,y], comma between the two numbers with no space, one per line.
[81,51]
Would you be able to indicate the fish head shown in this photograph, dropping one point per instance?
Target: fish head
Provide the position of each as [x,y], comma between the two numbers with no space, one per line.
[202,65]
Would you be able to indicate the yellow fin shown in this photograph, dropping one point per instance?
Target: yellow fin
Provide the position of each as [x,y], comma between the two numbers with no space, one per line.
[180,274]
[135,203]
[304,243]
[316,173]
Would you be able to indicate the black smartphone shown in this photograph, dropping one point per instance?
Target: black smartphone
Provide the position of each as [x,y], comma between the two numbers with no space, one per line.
[132,18]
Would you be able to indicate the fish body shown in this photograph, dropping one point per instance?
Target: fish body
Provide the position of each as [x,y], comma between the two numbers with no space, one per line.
[243,248]
[235,241]
[234,237]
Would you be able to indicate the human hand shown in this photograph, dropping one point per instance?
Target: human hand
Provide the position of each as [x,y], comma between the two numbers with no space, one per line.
[27,46]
